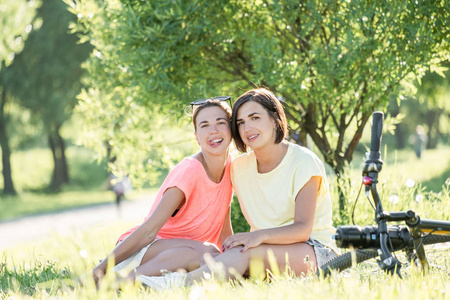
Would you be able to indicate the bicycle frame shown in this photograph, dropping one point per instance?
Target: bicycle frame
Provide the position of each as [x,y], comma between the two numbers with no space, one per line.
[380,240]
[418,227]
[429,227]
[434,226]
[371,168]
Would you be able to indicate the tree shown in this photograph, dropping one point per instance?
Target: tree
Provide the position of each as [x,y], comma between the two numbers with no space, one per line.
[427,106]
[16,22]
[332,62]
[433,91]
[46,78]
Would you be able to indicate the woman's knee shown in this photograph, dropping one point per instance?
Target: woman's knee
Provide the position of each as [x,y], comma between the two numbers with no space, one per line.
[210,248]
[299,258]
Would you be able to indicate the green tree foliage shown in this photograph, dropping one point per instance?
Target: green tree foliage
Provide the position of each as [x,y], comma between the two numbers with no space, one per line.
[428,106]
[433,93]
[333,62]
[16,22]
[123,120]
[45,78]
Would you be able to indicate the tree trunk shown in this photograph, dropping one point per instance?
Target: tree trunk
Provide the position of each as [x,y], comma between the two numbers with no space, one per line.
[399,132]
[434,133]
[400,136]
[304,139]
[61,170]
[8,185]
[342,187]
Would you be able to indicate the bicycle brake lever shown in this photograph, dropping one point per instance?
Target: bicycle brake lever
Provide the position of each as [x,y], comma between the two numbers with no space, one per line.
[390,265]
[367,191]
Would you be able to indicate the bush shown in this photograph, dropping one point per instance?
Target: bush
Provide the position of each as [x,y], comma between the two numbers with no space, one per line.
[237,218]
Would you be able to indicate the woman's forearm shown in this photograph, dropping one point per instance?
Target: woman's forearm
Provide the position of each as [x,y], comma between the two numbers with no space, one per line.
[133,243]
[147,232]
[289,234]
[284,235]
[140,238]
[227,229]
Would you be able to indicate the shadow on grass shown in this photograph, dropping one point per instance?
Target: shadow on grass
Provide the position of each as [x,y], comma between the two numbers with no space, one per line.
[435,184]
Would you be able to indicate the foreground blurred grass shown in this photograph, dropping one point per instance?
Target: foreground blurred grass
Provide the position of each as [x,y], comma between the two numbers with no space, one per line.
[49,270]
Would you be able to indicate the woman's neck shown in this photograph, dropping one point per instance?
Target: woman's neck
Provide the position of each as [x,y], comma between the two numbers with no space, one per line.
[271,156]
[213,165]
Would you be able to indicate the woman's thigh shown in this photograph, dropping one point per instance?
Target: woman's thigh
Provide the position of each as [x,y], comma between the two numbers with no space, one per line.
[181,252]
[298,257]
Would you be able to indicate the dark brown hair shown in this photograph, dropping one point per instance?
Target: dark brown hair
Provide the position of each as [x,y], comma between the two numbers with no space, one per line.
[271,104]
[209,103]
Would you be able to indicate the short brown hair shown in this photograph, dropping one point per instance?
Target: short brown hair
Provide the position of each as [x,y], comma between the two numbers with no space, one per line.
[271,104]
[209,103]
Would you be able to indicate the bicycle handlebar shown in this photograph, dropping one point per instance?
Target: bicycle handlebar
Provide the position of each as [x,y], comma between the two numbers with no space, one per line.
[371,168]
[377,132]
[382,237]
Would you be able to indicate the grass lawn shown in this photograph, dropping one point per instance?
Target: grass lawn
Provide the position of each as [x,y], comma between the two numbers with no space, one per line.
[431,171]
[49,270]
[31,204]
[32,173]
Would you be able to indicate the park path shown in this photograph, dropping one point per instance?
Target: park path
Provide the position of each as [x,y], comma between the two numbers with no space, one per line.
[31,229]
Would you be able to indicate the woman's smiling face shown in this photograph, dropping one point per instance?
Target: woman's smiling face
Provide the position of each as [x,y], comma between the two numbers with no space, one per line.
[213,130]
[256,128]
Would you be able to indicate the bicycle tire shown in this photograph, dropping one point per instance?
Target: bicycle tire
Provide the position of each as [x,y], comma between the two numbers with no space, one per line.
[436,239]
[345,261]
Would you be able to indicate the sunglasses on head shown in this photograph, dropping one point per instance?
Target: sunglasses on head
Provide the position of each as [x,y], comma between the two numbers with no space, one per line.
[203,101]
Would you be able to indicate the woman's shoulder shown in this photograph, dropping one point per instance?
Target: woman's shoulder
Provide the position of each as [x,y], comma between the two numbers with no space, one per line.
[243,159]
[186,164]
[298,150]
[303,155]
[183,174]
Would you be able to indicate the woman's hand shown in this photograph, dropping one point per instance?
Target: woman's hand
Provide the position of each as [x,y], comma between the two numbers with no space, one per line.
[245,239]
[98,272]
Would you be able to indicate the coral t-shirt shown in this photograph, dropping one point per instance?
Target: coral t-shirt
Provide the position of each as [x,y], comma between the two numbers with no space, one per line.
[202,216]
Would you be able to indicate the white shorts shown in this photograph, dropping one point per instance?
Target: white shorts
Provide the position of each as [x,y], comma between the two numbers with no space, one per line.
[133,261]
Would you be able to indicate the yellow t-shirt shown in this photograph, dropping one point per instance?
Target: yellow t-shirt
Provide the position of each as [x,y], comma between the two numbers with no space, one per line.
[268,200]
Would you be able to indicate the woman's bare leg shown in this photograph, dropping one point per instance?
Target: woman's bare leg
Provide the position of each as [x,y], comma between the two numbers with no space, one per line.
[172,255]
[240,262]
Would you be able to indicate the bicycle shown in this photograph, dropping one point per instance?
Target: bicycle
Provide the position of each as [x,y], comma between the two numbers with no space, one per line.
[382,240]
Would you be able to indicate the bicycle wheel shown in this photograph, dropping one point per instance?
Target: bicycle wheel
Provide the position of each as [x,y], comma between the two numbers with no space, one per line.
[436,239]
[345,261]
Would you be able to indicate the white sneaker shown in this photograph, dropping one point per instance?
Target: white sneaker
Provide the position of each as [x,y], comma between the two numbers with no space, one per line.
[165,282]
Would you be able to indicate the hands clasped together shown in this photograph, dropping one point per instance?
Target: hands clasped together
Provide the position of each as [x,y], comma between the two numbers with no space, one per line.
[245,239]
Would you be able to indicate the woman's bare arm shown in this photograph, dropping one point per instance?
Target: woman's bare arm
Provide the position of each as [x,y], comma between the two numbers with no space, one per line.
[172,199]
[299,231]
[227,229]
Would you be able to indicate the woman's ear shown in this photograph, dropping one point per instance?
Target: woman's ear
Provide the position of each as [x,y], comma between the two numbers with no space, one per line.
[196,137]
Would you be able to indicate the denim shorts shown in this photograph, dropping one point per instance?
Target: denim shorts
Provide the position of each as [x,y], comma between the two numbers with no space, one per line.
[322,252]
